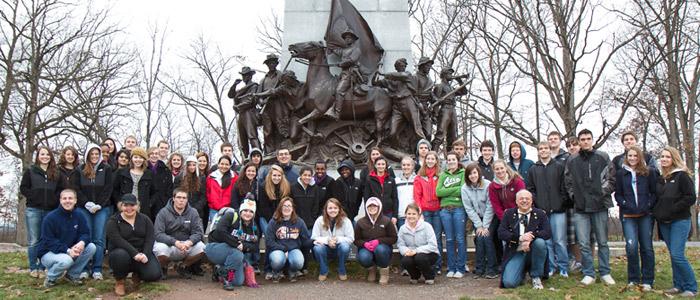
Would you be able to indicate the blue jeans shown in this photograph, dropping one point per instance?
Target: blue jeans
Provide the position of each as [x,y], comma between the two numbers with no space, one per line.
[381,257]
[227,257]
[453,222]
[675,234]
[212,214]
[597,223]
[556,246]
[96,222]
[514,271]
[34,217]
[433,217]
[638,234]
[485,255]
[323,252]
[263,229]
[56,264]
[294,258]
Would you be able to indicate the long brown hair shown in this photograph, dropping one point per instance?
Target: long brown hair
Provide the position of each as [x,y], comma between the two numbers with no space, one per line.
[641,167]
[88,167]
[370,163]
[468,170]
[206,170]
[244,185]
[676,163]
[62,158]
[278,211]
[51,169]
[424,167]
[190,182]
[270,187]
[338,219]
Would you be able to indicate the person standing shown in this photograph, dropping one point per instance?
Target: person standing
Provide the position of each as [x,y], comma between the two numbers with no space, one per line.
[347,189]
[175,165]
[453,215]
[135,180]
[246,183]
[322,181]
[68,163]
[244,104]
[475,198]
[219,186]
[424,187]
[486,159]
[518,159]
[162,180]
[379,184]
[629,140]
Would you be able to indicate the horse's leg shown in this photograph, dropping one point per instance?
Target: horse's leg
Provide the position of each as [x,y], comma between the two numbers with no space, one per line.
[312,115]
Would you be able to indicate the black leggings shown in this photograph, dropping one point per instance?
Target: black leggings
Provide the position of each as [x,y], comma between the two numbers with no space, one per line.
[122,264]
[420,264]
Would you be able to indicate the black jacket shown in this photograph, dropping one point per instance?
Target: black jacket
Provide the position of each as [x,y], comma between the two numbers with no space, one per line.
[139,238]
[620,159]
[70,178]
[162,184]
[590,177]
[237,196]
[348,192]
[509,231]
[306,202]
[97,190]
[231,230]
[124,184]
[675,196]
[386,193]
[486,169]
[196,199]
[265,207]
[40,192]
[324,189]
[546,183]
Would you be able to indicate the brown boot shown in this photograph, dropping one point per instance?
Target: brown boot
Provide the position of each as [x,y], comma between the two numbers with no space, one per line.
[383,276]
[119,288]
[372,274]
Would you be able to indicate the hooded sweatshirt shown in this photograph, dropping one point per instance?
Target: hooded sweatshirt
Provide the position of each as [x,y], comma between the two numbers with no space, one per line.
[348,190]
[306,201]
[675,194]
[424,188]
[379,228]
[418,162]
[404,189]
[502,194]
[97,190]
[61,229]
[233,231]
[449,188]
[524,164]
[421,238]
[171,226]
[477,204]
[219,196]
[286,235]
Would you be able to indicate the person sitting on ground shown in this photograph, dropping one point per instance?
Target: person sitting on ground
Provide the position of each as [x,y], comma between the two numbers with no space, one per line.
[524,230]
[418,246]
[332,235]
[374,236]
[64,245]
[285,238]
[179,234]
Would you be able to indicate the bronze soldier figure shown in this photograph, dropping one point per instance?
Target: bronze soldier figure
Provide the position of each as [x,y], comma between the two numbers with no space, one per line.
[424,94]
[445,106]
[349,56]
[244,104]
[275,115]
[287,95]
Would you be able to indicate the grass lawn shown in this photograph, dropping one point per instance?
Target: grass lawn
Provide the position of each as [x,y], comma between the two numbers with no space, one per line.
[15,283]
[569,288]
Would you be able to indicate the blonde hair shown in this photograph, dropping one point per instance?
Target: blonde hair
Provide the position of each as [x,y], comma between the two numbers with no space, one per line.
[270,187]
[424,167]
[676,163]
[509,171]
[641,167]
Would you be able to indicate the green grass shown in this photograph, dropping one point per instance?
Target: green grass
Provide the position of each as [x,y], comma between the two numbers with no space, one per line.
[569,288]
[15,283]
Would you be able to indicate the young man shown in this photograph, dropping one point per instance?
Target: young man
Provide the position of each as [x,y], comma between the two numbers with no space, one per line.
[422,148]
[460,147]
[590,181]
[518,159]
[486,159]
[554,140]
[284,160]
[347,189]
[629,139]
[64,245]
[163,150]
[178,230]
[546,183]
[572,148]
[322,182]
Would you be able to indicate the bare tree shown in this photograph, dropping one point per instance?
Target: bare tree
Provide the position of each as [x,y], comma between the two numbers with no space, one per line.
[269,33]
[151,92]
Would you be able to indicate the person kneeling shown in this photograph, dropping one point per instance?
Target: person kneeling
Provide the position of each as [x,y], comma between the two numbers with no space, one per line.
[418,245]
[332,235]
[179,233]
[286,235]
[524,230]
[374,236]
[64,244]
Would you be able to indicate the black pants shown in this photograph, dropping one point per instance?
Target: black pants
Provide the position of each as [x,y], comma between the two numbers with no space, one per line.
[497,243]
[420,264]
[122,264]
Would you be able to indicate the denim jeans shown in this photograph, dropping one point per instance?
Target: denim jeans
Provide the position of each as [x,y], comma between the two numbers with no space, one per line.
[638,234]
[453,222]
[556,246]
[675,234]
[57,263]
[263,229]
[485,255]
[212,214]
[323,252]
[227,257]
[433,217]
[597,223]
[34,217]
[96,222]
[514,271]
[294,258]
[381,257]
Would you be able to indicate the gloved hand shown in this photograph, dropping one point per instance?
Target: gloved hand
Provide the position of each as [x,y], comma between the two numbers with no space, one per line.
[371,245]
[95,208]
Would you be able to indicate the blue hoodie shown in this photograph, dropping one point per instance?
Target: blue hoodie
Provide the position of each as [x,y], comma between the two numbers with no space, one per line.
[61,229]
[525,163]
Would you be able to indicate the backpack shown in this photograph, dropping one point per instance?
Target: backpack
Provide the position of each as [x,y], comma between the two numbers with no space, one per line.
[219,215]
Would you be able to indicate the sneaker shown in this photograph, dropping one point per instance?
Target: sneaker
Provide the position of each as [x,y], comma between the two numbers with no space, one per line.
[84,275]
[75,281]
[293,277]
[458,275]
[184,272]
[439,272]
[303,272]
[276,278]
[607,279]
[631,285]
[228,285]
[466,268]
[564,274]
[269,276]
[587,280]
[477,276]
[537,283]
[343,277]
[404,273]
[257,271]
[551,274]
[687,294]
[97,276]
[672,291]
[646,288]
[34,273]
[491,276]
[413,281]
[322,277]
[430,282]
[49,283]
[450,274]
[575,266]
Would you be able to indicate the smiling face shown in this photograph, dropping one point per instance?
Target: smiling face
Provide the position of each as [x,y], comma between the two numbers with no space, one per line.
[373,210]
[407,166]
[474,176]
[94,156]
[256,158]
[345,172]
[544,152]
[128,210]
[110,144]
[163,149]
[123,159]
[137,161]
[320,170]
[412,216]
[202,163]
[665,160]
[430,161]
[332,210]
[452,162]
[629,141]
[287,208]
[224,166]
[374,154]
[632,157]
[306,177]
[515,152]
[524,201]
[247,215]
[191,167]
[554,141]
[68,200]
[70,156]
[251,172]
[227,151]
[154,156]
[423,150]
[44,156]
[283,156]
[499,169]
[487,153]
[176,161]
[130,143]
[380,166]
[276,176]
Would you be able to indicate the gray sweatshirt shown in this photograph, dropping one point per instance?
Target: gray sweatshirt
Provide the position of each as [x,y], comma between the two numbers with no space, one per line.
[477,204]
[171,226]
[422,239]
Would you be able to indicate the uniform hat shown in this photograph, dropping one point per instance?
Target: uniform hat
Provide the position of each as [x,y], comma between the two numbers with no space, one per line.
[246,70]
[247,204]
[140,152]
[270,57]
[349,32]
[424,60]
[444,71]
[128,199]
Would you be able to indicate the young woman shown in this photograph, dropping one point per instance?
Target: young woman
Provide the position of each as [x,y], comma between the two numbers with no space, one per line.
[332,235]
[112,153]
[306,197]
[404,188]
[41,186]
[219,186]
[175,164]
[374,237]
[635,194]
[122,160]
[286,235]
[475,198]
[383,186]
[506,183]
[424,186]
[247,183]
[194,185]
[68,163]
[202,163]
[418,246]
[135,180]
[274,188]
[95,202]
[162,182]
[453,216]
[374,153]
[130,238]
[675,193]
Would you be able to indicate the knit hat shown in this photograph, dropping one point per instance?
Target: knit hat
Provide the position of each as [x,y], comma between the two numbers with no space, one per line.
[190,158]
[247,204]
[128,199]
[140,152]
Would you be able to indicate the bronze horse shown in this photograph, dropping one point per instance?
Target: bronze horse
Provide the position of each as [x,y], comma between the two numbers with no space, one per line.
[320,87]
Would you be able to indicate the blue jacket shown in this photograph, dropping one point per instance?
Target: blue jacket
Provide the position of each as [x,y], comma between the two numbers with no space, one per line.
[525,163]
[287,236]
[645,198]
[61,229]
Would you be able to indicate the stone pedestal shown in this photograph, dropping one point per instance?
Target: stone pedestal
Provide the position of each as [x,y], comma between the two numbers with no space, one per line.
[306,20]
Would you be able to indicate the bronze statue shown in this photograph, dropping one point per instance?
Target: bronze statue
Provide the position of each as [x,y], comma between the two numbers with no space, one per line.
[404,106]
[244,104]
[274,115]
[349,57]
[445,107]
[288,102]
[424,94]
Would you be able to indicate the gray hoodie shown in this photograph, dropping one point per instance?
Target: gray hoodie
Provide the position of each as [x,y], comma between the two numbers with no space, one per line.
[421,239]
[477,204]
[170,226]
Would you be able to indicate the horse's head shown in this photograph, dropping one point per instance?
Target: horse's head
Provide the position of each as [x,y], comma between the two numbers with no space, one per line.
[306,50]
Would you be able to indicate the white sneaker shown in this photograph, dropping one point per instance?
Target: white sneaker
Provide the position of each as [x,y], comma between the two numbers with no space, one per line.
[587,280]
[450,274]
[646,288]
[458,275]
[608,280]
[537,283]
[84,275]
[97,276]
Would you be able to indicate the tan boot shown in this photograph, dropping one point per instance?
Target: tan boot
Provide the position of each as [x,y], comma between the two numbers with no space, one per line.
[119,288]
[384,276]
[372,274]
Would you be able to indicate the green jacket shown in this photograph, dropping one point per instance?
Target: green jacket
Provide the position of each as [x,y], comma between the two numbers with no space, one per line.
[449,188]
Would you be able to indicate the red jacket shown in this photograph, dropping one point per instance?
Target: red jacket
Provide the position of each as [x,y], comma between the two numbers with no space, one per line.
[218,197]
[424,191]
[503,196]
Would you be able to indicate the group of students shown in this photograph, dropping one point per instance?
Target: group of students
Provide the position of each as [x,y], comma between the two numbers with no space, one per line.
[150,208]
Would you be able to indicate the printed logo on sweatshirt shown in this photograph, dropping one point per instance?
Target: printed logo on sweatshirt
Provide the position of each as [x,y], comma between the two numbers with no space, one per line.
[450,181]
[286,233]
[75,226]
